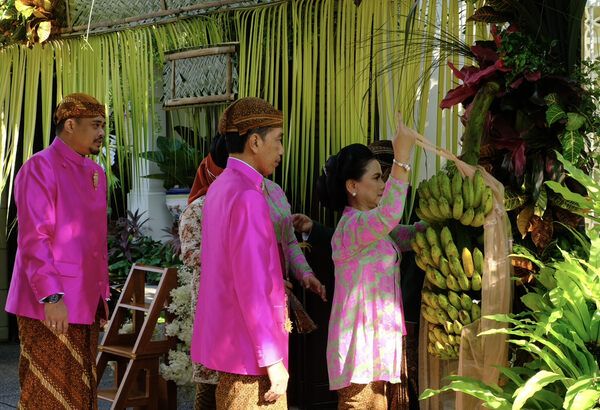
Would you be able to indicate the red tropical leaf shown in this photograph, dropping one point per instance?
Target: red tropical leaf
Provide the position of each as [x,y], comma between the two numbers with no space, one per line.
[541,231]
[535,76]
[457,95]
[484,54]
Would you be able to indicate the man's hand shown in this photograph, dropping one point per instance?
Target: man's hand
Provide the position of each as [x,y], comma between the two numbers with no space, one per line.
[302,223]
[56,317]
[311,282]
[278,375]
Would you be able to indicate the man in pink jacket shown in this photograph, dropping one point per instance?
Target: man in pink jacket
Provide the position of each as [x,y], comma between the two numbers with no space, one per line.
[60,276]
[241,326]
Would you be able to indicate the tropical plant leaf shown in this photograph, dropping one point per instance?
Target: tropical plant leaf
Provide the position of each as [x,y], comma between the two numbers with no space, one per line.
[554,113]
[533,301]
[487,14]
[572,144]
[574,121]
[492,398]
[580,201]
[43,31]
[24,9]
[594,259]
[523,220]
[513,200]
[541,203]
[586,399]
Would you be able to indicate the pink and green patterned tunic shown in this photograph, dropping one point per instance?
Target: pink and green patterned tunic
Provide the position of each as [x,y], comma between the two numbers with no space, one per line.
[367,321]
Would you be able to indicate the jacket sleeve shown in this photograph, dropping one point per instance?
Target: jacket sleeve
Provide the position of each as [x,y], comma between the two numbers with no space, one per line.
[365,227]
[257,275]
[35,196]
[298,264]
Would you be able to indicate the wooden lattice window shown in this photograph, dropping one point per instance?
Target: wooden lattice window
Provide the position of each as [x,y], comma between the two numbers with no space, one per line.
[201,76]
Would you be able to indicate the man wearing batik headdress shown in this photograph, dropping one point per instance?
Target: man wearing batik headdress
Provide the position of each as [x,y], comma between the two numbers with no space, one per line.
[241,324]
[60,278]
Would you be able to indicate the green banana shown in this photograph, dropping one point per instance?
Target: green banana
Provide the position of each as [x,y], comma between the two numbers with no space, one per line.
[444,206]
[444,184]
[457,327]
[452,283]
[467,217]
[466,302]
[442,300]
[434,209]
[426,257]
[422,265]
[452,312]
[445,266]
[457,182]
[421,240]
[451,250]
[476,282]
[478,219]
[428,317]
[478,260]
[487,200]
[434,188]
[415,247]
[424,210]
[475,312]
[478,188]
[442,316]
[435,277]
[467,189]
[426,296]
[436,254]
[448,326]
[423,190]
[432,237]
[430,312]
[431,337]
[457,208]
[464,282]
[464,317]
[438,332]
[467,262]
[455,267]
[445,236]
[454,299]
[454,340]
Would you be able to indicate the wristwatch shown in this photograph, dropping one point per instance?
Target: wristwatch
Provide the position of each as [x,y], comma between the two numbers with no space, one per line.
[53,298]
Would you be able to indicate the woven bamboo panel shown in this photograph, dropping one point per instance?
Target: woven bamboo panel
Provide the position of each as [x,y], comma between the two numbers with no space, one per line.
[109,12]
[202,76]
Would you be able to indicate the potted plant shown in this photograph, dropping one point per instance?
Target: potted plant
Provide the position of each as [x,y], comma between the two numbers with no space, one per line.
[176,160]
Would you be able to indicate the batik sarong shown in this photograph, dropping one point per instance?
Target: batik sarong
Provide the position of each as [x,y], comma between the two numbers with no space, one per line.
[240,392]
[57,371]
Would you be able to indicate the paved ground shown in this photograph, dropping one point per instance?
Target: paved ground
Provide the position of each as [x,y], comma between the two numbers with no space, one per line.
[9,381]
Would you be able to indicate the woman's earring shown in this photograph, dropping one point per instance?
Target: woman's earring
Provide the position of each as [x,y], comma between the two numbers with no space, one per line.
[353,193]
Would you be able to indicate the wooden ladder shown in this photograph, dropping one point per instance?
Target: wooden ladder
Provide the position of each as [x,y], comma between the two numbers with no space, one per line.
[137,381]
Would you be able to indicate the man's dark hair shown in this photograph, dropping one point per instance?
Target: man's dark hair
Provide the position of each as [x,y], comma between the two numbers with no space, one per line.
[61,125]
[236,142]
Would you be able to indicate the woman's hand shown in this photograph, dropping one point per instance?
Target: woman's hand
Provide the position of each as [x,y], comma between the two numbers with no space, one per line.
[403,140]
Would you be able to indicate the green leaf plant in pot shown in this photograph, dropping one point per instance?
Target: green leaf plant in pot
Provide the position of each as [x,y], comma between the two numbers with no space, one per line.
[176,160]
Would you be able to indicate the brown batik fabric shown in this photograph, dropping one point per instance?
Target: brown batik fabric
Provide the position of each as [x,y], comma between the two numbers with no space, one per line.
[370,396]
[57,371]
[242,392]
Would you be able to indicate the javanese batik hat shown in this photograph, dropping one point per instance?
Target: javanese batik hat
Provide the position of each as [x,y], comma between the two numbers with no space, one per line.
[249,113]
[78,105]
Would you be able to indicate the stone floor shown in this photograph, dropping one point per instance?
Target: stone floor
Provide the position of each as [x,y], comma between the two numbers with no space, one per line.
[9,381]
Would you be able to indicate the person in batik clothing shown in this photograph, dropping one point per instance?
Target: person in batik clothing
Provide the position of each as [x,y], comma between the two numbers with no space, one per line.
[190,235]
[365,348]
[59,284]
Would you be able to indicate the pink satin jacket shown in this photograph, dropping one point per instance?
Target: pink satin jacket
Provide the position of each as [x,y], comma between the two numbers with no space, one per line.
[62,248]
[241,311]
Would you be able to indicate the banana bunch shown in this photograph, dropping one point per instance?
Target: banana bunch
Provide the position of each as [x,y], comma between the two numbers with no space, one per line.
[450,298]
[446,268]
[467,200]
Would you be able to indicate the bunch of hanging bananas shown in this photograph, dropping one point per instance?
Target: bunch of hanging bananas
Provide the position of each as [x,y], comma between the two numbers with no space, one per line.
[450,298]
[467,200]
